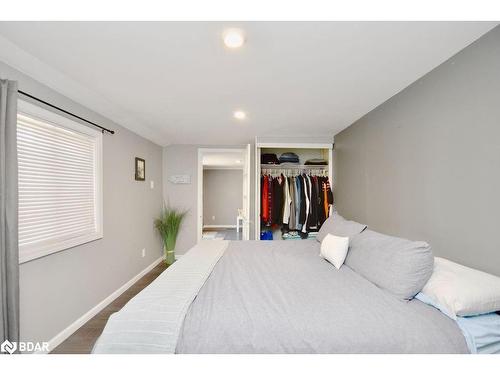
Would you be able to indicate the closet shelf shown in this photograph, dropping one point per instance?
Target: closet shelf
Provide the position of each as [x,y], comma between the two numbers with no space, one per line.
[292,166]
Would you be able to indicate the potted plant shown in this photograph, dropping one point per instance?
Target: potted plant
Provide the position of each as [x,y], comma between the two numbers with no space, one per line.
[168,225]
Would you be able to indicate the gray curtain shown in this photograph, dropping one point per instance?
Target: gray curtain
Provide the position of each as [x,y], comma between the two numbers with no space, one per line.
[9,253]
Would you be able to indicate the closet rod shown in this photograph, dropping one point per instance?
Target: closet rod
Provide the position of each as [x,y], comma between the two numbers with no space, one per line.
[103,129]
[292,166]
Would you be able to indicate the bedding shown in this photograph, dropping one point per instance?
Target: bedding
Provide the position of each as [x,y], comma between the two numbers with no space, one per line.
[151,321]
[281,297]
[481,332]
[274,297]
[339,226]
[397,265]
[463,291]
[334,249]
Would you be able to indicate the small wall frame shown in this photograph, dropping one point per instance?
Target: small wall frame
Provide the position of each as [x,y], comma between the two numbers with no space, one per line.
[140,169]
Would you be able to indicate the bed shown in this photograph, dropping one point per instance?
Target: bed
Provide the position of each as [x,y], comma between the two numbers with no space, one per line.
[273,297]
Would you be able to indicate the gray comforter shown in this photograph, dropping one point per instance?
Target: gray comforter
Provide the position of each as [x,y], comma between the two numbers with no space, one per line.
[281,297]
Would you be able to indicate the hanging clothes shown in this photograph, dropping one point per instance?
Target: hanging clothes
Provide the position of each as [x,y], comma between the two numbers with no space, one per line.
[264,199]
[299,203]
[286,201]
[293,203]
[307,194]
[269,200]
[327,197]
[277,201]
[315,204]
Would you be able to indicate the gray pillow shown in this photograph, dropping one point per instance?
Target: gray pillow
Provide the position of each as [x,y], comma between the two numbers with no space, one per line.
[339,226]
[395,264]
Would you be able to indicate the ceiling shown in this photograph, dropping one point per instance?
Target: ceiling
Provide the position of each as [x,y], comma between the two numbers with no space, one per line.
[224,159]
[175,82]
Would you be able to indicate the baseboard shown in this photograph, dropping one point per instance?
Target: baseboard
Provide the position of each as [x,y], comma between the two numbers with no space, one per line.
[64,334]
[222,226]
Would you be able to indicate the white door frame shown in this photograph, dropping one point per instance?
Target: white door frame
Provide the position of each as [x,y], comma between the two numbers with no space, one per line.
[206,150]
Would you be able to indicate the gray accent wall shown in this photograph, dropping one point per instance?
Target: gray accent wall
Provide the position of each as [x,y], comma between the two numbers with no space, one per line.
[58,289]
[426,163]
[222,196]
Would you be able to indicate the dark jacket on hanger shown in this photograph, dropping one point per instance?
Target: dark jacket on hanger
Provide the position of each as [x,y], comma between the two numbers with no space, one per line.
[277,201]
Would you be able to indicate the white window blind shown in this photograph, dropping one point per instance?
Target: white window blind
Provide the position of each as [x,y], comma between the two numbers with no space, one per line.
[60,180]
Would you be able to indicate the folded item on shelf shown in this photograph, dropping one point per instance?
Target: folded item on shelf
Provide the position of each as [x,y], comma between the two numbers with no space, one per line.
[316,162]
[269,159]
[289,157]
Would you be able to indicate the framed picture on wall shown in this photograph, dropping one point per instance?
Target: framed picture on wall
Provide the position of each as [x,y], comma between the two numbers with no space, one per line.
[140,169]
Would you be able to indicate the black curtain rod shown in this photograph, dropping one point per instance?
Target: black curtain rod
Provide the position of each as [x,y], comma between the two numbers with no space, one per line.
[103,129]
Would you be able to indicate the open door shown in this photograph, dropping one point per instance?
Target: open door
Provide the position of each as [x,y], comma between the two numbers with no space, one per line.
[212,221]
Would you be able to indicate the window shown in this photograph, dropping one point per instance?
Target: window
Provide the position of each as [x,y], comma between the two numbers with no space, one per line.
[60,182]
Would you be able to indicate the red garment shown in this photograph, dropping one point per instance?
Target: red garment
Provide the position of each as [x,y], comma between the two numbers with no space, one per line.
[265,200]
[325,199]
[328,197]
[269,200]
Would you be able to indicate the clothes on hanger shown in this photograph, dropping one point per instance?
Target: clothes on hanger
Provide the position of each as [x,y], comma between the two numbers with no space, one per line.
[287,201]
[298,203]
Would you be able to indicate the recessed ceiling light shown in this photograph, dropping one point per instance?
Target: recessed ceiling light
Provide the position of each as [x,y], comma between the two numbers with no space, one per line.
[240,115]
[233,38]
[238,161]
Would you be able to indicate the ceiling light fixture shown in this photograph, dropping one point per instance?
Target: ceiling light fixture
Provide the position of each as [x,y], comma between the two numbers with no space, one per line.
[240,115]
[233,38]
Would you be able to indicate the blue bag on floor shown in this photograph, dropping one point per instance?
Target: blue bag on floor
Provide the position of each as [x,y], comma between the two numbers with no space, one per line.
[266,235]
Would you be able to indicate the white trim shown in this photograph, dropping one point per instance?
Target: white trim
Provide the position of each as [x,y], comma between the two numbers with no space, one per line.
[295,145]
[73,327]
[246,194]
[218,167]
[257,192]
[199,211]
[38,250]
[260,145]
[230,226]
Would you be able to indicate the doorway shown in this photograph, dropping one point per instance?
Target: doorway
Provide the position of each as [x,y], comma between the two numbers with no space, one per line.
[223,193]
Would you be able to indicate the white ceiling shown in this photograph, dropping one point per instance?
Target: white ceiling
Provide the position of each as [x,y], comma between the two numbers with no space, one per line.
[174,82]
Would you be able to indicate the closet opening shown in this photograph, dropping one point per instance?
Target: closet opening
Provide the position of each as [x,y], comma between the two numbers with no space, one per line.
[294,190]
[223,193]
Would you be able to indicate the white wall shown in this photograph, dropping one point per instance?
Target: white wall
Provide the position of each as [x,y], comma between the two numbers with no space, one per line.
[58,289]
[222,196]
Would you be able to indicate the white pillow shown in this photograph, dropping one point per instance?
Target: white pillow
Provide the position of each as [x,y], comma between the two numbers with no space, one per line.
[462,291]
[334,249]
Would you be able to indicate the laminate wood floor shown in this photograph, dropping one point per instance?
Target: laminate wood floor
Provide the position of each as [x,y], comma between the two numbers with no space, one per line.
[83,340]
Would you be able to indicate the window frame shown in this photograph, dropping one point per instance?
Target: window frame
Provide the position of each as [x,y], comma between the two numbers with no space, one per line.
[35,251]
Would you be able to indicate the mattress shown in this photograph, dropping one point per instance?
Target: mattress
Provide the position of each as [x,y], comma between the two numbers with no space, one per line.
[281,297]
